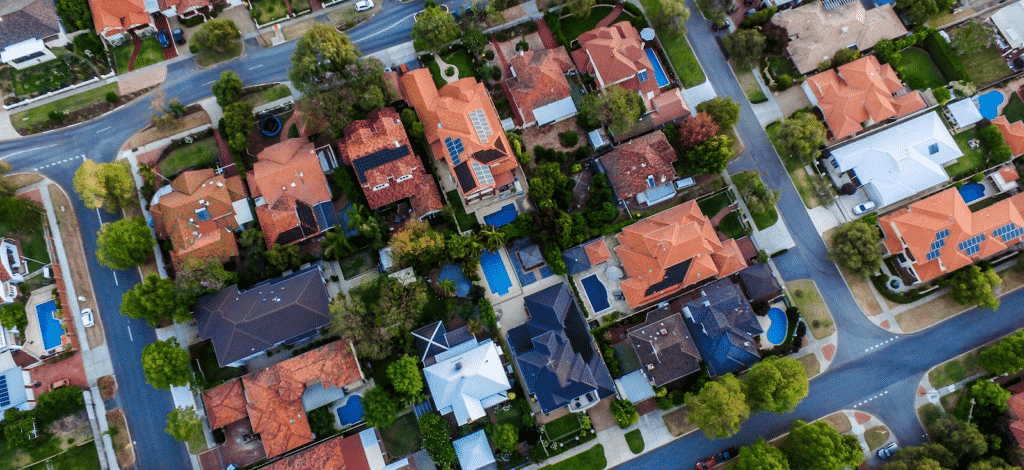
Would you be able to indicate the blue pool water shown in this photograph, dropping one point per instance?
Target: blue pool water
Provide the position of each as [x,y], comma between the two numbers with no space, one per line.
[494,270]
[49,327]
[596,292]
[503,217]
[972,192]
[659,73]
[454,272]
[989,103]
[776,333]
[352,411]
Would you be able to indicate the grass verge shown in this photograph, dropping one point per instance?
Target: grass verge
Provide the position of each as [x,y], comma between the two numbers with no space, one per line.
[677,424]
[805,296]
[122,441]
[269,95]
[40,114]
[811,365]
[955,370]
[876,436]
[590,459]
[150,134]
[635,440]
[207,58]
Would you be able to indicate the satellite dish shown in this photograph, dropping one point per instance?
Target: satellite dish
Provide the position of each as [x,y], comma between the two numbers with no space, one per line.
[647,34]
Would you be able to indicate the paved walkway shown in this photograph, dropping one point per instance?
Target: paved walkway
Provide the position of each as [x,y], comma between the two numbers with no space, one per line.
[611,16]
[767,112]
[546,36]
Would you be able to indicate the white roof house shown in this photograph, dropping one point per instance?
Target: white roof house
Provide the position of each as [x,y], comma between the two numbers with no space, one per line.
[1010,22]
[474,452]
[901,160]
[468,383]
[964,112]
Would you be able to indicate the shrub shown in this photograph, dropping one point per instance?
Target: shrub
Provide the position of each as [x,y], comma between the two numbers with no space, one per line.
[576,168]
[112,97]
[941,94]
[945,59]
[568,138]
[625,413]
[978,177]
[783,82]
[56,116]
[489,55]
[580,153]
[759,18]
[193,48]
[450,70]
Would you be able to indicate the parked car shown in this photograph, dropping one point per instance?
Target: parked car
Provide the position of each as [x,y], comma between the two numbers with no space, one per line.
[728,454]
[179,36]
[864,208]
[887,450]
[59,384]
[162,37]
[707,463]
[724,25]
[749,12]
[87,319]
[364,5]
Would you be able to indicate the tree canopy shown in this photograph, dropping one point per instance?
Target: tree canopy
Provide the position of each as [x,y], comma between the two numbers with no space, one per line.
[124,244]
[238,123]
[405,377]
[217,35]
[776,384]
[75,14]
[166,364]
[724,111]
[855,247]
[616,107]
[106,185]
[579,8]
[434,29]
[21,214]
[761,456]
[13,315]
[197,276]
[696,130]
[1004,357]
[155,300]
[711,156]
[437,440]
[506,436]
[924,457]
[672,16]
[379,407]
[920,10]
[818,446]
[720,407]
[973,286]
[321,58]
[625,413]
[378,313]
[971,37]
[283,257]
[183,423]
[963,439]
[228,89]
[745,46]
[801,136]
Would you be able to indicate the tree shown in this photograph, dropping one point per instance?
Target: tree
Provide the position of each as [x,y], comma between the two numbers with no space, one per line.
[994,463]
[13,316]
[23,213]
[106,185]
[75,14]
[379,407]
[155,300]
[358,90]
[490,238]
[922,464]
[166,364]
[758,196]
[720,407]
[437,440]
[920,10]
[844,56]
[973,286]
[855,247]
[818,446]
[228,89]
[579,8]
[672,16]
[617,108]
[776,384]
[17,428]
[710,157]
[941,94]
[417,243]
[801,136]
[217,35]
[625,413]
[434,29]
[761,456]
[474,41]
[252,239]
[990,396]
[745,46]
[1004,357]
[506,436]
[696,130]
[321,57]
[405,377]
[336,245]
[124,244]
[56,404]
[197,276]
[283,257]
[964,440]
[925,457]
[183,423]
[724,111]
[378,313]
[238,122]
[972,37]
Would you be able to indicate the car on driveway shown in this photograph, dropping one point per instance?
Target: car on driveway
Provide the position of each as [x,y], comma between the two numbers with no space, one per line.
[887,450]
[179,36]
[705,464]
[59,384]
[727,454]
[364,5]
[863,208]
[162,37]
[87,319]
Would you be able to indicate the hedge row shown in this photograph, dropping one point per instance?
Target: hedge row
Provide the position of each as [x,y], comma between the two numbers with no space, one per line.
[945,59]
[759,18]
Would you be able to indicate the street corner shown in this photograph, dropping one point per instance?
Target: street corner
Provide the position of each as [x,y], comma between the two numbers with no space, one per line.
[876,439]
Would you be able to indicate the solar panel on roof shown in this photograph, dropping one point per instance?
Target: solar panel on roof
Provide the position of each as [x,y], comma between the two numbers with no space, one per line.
[932,255]
[942,234]
[5,399]
[483,173]
[378,158]
[203,214]
[480,124]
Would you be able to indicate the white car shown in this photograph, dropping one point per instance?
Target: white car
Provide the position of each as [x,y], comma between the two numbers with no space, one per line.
[364,5]
[864,208]
[87,319]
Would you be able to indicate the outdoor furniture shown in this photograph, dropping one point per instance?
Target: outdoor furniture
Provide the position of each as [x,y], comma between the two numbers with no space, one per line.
[974,143]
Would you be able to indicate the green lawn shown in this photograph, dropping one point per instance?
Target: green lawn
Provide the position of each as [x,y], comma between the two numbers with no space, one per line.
[972,160]
[207,58]
[149,53]
[917,70]
[465,221]
[356,264]
[876,436]
[574,26]
[435,73]
[265,11]
[1014,110]
[731,226]
[635,440]
[461,60]
[955,370]
[83,457]
[712,204]
[985,66]
[33,246]
[679,52]
[197,441]
[764,220]
[197,154]
[590,459]
[299,6]
[269,95]
[38,114]
[204,363]
[780,65]
[564,426]
[403,436]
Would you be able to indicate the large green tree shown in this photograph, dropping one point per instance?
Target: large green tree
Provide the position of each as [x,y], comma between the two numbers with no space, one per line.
[228,89]
[197,276]
[405,377]
[13,316]
[761,456]
[437,440]
[971,37]
[720,407]
[963,439]
[377,314]
[757,195]
[672,16]
[506,436]
[973,286]
[994,463]
[417,241]
[156,300]
[625,413]
[434,29]
[183,423]
[124,244]
[616,107]
[724,111]
[709,157]
[321,58]
[989,396]
[238,123]
[166,364]
[924,457]
[579,8]
[920,10]
[818,446]
[379,408]
[217,35]
[855,247]
[283,257]
[801,136]
[106,185]
[776,384]
[1004,357]
[745,46]
[75,14]
[22,214]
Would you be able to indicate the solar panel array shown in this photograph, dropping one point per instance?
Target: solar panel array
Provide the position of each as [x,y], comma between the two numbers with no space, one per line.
[203,214]
[642,76]
[483,174]
[942,234]
[1008,232]
[483,128]
[934,253]
[970,246]
[455,149]
[5,398]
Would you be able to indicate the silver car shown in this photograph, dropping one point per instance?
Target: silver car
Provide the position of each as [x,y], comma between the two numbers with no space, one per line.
[887,450]
[87,319]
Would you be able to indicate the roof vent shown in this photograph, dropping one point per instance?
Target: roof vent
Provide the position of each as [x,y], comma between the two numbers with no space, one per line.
[707,303]
[300,176]
[276,299]
[202,201]
[650,366]
[643,165]
[844,29]
[664,331]
[458,365]
[746,343]
[397,145]
[293,184]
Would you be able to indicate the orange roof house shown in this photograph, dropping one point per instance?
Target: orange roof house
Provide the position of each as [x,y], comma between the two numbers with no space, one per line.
[671,250]
[597,252]
[115,17]
[293,202]
[538,90]
[940,234]
[641,170]
[379,151]
[464,131]
[182,8]
[1013,133]
[1017,414]
[225,404]
[197,213]
[863,92]
[339,453]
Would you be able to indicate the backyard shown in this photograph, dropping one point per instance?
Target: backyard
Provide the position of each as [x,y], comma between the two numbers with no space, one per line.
[679,52]
[1014,110]
[39,114]
[917,70]
[973,159]
[402,437]
[66,70]
[200,154]
[986,66]
[149,53]
[265,11]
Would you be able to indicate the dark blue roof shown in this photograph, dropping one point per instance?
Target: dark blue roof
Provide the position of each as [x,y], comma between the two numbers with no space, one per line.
[325,215]
[576,260]
[723,326]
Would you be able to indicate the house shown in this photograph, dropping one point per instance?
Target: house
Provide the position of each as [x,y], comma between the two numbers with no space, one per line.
[581,258]
[434,339]
[340,453]
[467,378]
[663,344]
[758,283]
[388,171]
[898,161]
[939,234]
[817,32]
[641,170]
[1012,133]
[199,212]
[474,452]
[558,359]
[723,326]
[183,9]
[244,324]
[16,390]
[464,131]
[538,90]
[859,94]
[28,31]
[1009,21]
[1016,413]
[616,55]
[115,20]
[673,249]
[293,201]
[12,270]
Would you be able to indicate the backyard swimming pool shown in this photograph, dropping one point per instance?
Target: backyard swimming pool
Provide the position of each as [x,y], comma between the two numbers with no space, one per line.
[49,327]
[503,217]
[352,411]
[454,273]
[972,192]
[989,103]
[659,73]
[776,333]
[494,270]
[596,292]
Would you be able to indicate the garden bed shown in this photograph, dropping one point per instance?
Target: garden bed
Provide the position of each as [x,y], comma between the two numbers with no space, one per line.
[917,70]
[266,11]
[66,70]
[77,108]
[123,446]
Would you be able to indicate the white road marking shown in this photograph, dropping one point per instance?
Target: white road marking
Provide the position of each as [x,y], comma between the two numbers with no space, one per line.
[883,343]
[872,398]
[105,128]
[399,22]
[209,82]
[27,150]
[115,278]
[255,67]
[130,333]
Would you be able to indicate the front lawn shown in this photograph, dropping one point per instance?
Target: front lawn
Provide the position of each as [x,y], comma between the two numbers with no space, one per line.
[806,297]
[299,6]
[732,226]
[1014,110]
[64,71]
[150,53]
[711,205]
[561,427]
[206,58]
[83,457]
[460,58]
[635,440]
[917,70]
[39,114]
[972,161]
[679,52]
[986,66]
[402,437]
[265,11]
[199,154]
[590,459]
[955,370]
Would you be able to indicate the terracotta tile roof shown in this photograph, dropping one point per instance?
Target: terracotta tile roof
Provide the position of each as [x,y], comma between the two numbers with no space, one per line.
[287,175]
[1009,173]
[1017,428]
[181,6]
[179,216]
[379,150]
[36,20]
[920,224]
[629,165]
[539,80]
[1012,133]
[462,113]
[670,250]
[861,91]
[339,453]
[113,17]
[597,252]
[274,394]
[615,53]
[668,106]
[1017,405]
[225,404]
[396,84]
[816,33]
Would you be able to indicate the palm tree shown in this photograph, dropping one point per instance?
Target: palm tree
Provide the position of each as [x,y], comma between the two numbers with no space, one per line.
[491,238]
[252,239]
[336,245]
[447,287]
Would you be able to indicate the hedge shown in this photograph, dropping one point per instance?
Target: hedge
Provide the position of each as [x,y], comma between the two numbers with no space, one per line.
[633,9]
[759,18]
[945,59]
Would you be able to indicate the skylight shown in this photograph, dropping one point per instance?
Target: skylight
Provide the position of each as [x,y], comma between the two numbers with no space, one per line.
[933,149]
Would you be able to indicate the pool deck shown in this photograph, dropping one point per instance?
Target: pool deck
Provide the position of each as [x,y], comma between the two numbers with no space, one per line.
[767,323]
[33,335]
[612,286]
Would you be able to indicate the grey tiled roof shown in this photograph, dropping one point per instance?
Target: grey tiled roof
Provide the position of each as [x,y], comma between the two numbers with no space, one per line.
[37,20]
